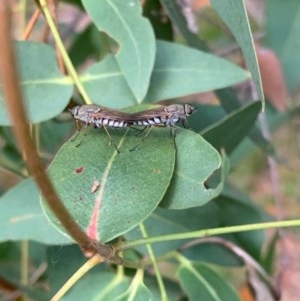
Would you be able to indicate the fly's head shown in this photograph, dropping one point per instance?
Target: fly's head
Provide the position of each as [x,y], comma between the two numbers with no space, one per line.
[189,109]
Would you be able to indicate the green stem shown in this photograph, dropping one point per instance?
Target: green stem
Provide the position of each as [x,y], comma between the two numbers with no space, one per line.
[88,265]
[205,233]
[163,292]
[63,52]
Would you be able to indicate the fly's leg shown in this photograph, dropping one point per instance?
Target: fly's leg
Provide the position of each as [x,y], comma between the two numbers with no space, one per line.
[143,138]
[140,131]
[185,123]
[79,127]
[173,132]
[111,139]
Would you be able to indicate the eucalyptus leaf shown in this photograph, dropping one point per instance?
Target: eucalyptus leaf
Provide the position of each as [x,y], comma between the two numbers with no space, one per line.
[175,11]
[233,128]
[109,193]
[282,33]
[98,284]
[230,103]
[106,84]
[164,222]
[248,213]
[201,282]
[161,24]
[180,71]
[123,21]
[46,91]
[21,217]
[136,292]
[196,160]
[234,14]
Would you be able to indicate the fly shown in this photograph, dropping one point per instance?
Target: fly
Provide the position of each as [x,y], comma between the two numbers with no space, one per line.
[166,116]
[98,117]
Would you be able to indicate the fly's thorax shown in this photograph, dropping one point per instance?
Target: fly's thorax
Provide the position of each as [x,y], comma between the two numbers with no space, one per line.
[172,121]
[177,112]
[85,113]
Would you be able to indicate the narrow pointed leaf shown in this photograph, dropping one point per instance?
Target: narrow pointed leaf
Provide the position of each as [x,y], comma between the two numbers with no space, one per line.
[230,103]
[123,21]
[200,282]
[46,91]
[135,293]
[183,23]
[234,14]
[232,129]
[109,193]
[282,35]
[22,218]
[180,71]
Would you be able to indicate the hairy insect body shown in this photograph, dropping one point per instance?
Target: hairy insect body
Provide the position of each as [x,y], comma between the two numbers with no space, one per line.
[161,116]
[98,116]
[164,116]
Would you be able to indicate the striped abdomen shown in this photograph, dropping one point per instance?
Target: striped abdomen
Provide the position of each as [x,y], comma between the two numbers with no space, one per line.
[156,121]
[99,122]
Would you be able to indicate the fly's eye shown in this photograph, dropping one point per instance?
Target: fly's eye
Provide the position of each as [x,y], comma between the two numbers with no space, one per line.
[190,110]
[74,111]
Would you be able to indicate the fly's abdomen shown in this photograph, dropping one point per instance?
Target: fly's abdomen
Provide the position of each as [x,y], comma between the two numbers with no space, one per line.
[109,122]
[149,121]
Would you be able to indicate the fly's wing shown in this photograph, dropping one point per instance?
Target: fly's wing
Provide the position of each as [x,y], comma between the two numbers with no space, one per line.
[158,112]
[110,114]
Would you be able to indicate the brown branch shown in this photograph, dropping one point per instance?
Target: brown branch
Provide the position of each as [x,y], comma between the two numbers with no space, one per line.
[14,102]
[31,24]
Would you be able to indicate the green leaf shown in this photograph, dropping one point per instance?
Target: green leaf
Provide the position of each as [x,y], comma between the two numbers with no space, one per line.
[164,222]
[180,71]
[248,213]
[123,21]
[93,42]
[230,102]
[136,292]
[63,262]
[109,193]
[175,12]
[233,208]
[209,114]
[106,84]
[99,284]
[231,130]
[282,33]
[201,282]
[21,216]
[101,287]
[234,14]
[196,160]
[161,24]
[46,91]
